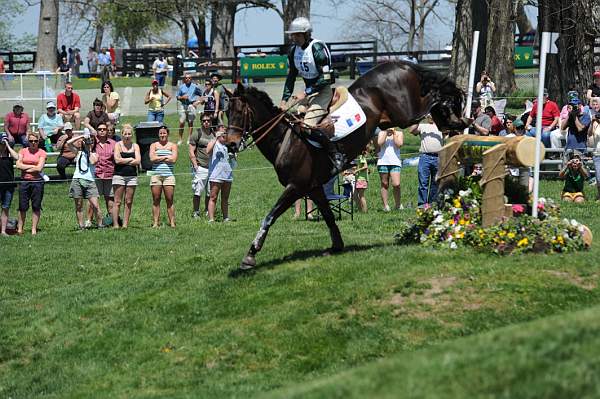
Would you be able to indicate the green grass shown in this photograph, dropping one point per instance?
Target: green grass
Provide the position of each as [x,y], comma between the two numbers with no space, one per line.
[152,312]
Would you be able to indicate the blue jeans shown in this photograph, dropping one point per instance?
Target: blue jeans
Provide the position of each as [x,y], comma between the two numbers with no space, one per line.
[545,136]
[157,116]
[427,169]
[20,139]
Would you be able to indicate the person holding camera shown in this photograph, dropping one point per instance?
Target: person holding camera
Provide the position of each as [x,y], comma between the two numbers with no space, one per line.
[594,141]
[7,178]
[200,159]
[576,125]
[83,185]
[574,173]
[486,89]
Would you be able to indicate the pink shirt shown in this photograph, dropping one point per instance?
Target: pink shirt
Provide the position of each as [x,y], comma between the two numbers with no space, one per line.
[16,125]
[105,167]
[31,158]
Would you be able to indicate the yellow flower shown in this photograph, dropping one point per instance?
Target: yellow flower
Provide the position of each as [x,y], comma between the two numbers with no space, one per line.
[511,235]
[460,234]
[523,242]
[456,203]
[502,233]
[461,222]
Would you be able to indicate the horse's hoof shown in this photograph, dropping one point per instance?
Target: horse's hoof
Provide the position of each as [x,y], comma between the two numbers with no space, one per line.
[333,250]
[248,263]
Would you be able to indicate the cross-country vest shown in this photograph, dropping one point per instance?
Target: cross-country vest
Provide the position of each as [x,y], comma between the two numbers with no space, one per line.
[304,61]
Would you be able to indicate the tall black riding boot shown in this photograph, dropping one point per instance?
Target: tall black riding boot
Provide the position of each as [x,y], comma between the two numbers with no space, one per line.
[337,158]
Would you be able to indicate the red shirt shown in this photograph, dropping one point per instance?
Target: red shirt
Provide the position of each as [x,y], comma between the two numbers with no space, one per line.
[16,125]
[31,158]
[550,112]
[496,125]
[68,103]
[105,167]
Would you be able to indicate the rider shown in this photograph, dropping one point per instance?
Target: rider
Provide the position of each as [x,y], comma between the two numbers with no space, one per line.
[310,59]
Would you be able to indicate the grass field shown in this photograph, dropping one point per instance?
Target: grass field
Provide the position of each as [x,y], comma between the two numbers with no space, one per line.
[152,312]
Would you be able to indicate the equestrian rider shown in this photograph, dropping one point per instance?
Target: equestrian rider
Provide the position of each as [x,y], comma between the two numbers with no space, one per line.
[310,59]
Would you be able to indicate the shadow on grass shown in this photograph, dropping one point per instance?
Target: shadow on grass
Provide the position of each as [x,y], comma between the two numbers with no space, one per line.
[301,255]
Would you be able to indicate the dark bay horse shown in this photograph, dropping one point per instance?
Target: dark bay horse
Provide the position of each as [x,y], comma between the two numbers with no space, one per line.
[391,94]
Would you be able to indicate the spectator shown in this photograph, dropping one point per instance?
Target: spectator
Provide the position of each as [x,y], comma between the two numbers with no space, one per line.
[432,142]
[112,132]
[64,68]
[486,89]
[496,126]
[104,61]
[361,172]
[594,89]
[71,57]
[63,53]
[220,175]
[113,59]
[594,140]
[127,159]
[550,119]
[78,62]
[160,67]
[83,185]
[7,178]
[223,105]
[576,124]
[156,100]
[199,158]
[111,101]
[50,125]
[595,107]
[96,117]
[92,60]
[298,209]
[66,155]
[16,124]
[69,105]
[210,100]
[2,71]
[483,123]
[31,190]
[163,155]
[187,95]
[574,173]
[509,127]
[105,166]
[389,164]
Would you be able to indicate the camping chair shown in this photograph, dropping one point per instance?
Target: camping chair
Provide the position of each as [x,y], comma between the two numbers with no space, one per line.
[340,202]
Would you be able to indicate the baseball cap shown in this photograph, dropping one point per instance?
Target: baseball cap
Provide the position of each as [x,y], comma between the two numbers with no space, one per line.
[545,92]
[155,81]
[3,136]
[68,126]
[518,123]
[597,74]
[475,104]
[574,101]
[50,104]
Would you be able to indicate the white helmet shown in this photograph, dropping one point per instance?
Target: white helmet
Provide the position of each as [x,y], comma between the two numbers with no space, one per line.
[300,25]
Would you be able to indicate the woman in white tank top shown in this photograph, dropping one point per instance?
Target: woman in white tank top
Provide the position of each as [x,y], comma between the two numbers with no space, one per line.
[389,165]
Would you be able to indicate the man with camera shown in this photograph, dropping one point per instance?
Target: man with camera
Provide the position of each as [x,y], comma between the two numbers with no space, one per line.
[83,185]
[486,89]
[574,173]
[576,125]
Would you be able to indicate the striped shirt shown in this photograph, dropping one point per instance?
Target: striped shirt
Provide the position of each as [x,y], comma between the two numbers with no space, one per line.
[163,168]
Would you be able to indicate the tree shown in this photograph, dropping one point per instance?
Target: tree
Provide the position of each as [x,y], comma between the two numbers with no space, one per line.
[462,44]
[222,27]
[578,25]
[500,47]
[47,36]
[292,9]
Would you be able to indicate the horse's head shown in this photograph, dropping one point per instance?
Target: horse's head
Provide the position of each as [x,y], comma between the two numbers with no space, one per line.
[240,118]
[447,115]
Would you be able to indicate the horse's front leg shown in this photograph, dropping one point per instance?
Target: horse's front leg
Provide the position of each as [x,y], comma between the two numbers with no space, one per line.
[318,196]
[287,199]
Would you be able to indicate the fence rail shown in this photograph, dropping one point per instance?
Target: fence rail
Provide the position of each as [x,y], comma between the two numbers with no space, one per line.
[18,61]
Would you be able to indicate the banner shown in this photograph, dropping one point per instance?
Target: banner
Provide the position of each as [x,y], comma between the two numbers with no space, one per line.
[523,56]
[271,65]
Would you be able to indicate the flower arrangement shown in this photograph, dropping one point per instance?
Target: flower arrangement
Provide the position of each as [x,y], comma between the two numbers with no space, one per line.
[456,221]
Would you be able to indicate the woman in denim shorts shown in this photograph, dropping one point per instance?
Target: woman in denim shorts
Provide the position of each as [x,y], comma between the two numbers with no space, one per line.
[389,164]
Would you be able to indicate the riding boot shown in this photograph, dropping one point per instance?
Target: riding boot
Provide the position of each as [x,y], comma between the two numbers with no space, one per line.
[337,158]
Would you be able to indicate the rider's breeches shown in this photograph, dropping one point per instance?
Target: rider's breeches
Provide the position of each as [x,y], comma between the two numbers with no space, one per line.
[317,106]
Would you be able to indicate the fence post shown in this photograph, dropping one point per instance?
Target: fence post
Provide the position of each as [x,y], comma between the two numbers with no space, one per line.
[352,66]
[374,53]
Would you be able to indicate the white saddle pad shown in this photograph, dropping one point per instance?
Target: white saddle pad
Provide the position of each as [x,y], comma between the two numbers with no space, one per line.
[346,119]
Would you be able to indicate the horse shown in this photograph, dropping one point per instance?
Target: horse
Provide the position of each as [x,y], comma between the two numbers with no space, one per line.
[391,94]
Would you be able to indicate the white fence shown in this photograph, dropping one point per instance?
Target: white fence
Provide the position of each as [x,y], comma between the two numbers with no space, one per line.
[32,90]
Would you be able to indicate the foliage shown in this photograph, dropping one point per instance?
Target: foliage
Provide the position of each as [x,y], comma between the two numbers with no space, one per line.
[132,21]
[458,222]
[8,41]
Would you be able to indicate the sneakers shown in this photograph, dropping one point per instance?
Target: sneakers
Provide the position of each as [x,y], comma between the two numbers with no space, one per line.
[87,224]
[386,208]
[226,220]
[196,215]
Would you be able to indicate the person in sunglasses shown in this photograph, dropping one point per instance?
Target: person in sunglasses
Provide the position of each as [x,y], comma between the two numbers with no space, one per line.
[31,190]
[200,160]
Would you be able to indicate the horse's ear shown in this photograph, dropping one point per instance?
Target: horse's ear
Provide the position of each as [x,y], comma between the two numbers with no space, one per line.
[240,88]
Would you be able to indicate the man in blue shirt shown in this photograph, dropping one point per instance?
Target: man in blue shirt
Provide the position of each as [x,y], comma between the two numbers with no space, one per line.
[576,124]
[104,61]
[187,97]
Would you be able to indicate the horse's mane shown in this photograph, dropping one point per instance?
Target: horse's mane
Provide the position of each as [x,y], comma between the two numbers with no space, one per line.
[261,96]
[433,81]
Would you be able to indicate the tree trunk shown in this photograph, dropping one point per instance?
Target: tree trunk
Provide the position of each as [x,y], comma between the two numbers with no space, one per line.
[199,25]
[222,27]
[501,46]
[422,18]
[410,45]
[293,9]
[98,37]
[577,28]
[47,36]
[523,23]
[462,42]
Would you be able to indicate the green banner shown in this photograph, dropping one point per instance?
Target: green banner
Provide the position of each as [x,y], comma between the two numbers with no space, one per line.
[523,56]
[272,65]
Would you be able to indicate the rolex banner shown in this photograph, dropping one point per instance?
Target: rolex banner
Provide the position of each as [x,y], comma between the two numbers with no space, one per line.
[272,65]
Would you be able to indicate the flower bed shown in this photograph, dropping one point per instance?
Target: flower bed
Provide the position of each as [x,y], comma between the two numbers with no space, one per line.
[457,221]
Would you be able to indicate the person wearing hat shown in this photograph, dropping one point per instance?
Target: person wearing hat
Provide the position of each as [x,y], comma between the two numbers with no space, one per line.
[8,156]
[310,58]
[594,89]
[576,125]
[156,99]
[50,124]
[550,119]
[210,99]
[16,124]
[66,155]
[160,67]
[574,174]
[220,175]
[223,97]
[483,123]
[187,95]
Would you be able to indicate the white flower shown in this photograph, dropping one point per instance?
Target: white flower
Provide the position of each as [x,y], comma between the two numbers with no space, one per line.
[438,219]
[574,223]
[453,245]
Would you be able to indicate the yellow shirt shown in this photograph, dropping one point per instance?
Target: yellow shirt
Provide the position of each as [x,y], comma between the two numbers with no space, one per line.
[155,103]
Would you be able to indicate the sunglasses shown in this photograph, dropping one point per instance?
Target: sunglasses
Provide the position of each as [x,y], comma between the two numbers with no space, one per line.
[101,129]
[206,120]
[34,141]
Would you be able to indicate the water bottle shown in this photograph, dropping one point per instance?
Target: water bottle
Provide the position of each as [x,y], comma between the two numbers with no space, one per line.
[48,144]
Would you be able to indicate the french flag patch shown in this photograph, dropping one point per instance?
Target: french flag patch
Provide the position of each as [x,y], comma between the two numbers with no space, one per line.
[349,122]
[357,117]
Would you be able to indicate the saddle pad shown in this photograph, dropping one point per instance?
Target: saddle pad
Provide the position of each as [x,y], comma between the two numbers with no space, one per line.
[346,119]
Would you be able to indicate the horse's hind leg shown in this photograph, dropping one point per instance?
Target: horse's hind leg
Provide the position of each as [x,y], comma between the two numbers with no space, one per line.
[318,196]
[287,198]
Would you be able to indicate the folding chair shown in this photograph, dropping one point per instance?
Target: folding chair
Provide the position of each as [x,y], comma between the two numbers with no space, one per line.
[341,202]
